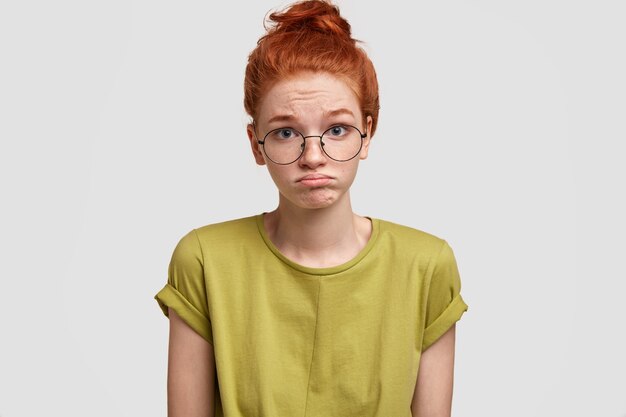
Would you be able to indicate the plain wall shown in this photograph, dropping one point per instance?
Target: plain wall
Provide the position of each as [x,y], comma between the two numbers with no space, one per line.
[501,130]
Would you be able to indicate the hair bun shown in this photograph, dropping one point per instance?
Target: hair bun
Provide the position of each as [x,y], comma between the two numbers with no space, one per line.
[310,36]
[315,15]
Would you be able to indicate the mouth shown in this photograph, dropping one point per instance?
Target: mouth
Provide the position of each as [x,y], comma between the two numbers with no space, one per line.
[315,180]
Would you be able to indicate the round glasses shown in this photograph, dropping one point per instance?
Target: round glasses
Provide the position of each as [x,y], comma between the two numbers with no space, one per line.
[286,145]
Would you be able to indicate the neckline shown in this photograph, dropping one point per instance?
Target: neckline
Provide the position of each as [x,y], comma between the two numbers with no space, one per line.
[331,270]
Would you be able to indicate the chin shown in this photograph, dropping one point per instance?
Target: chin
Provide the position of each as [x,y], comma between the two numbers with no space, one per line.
[314,199]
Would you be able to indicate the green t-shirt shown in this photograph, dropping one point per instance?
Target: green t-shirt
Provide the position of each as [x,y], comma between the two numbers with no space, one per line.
[291,340]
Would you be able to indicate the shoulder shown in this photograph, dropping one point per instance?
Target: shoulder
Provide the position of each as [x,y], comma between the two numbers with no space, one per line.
[214,238]
[411,238]
[219,237]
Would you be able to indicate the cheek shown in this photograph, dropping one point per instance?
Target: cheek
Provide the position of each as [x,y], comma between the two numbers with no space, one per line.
[351,174]
[349,169]
[280,174]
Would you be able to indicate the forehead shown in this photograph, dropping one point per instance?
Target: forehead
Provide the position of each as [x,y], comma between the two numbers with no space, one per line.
[308,94]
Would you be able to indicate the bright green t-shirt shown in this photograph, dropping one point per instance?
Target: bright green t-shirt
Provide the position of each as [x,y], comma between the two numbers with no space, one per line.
[291,340]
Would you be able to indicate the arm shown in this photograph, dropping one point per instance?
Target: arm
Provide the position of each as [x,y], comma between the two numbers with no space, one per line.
[433,389]
[191,372]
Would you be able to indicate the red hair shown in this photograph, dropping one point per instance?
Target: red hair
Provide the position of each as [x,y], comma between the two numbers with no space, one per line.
[310,36]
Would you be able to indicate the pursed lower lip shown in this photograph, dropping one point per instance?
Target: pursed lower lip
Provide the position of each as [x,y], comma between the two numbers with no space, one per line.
[315,181]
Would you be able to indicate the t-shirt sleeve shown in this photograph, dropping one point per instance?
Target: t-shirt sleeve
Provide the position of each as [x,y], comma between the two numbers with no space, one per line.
[445,306]
[185,290]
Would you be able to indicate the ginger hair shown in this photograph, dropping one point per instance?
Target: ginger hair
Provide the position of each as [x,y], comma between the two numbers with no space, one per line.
[310,36]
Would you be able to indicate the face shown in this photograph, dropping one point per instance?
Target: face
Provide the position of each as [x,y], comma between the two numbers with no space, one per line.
[310,103]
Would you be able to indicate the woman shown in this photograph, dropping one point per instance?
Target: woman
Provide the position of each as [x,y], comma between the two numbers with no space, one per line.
[311,309]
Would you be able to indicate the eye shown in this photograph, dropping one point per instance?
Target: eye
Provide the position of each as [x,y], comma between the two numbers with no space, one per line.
[337,131]
[284,133]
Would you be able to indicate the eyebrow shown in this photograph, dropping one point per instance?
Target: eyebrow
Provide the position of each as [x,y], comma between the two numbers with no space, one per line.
[291,117]
[338,112]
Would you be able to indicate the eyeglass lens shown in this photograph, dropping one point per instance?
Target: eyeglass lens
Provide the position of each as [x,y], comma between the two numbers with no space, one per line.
[285,145]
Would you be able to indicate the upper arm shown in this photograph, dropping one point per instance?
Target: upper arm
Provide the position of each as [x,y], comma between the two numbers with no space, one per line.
[433,388]
[191,379]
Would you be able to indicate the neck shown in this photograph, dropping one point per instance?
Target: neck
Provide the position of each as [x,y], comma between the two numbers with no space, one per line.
[317,237]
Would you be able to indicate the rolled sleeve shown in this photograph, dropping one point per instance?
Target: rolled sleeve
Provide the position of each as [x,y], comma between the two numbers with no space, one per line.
[445,304]
[185,290]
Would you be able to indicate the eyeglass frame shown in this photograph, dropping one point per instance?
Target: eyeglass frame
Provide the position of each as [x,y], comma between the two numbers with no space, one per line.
[304,138]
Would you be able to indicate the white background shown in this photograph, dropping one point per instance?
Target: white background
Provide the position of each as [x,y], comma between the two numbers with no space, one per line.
[501,128]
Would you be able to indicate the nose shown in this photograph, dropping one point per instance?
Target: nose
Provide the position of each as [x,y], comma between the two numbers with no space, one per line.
[313,155]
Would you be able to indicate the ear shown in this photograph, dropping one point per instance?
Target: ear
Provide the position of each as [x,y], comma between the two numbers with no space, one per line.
[367,139]
[256,147]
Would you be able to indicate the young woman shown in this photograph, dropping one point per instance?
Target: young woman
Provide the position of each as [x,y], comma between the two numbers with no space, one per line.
[310,309]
